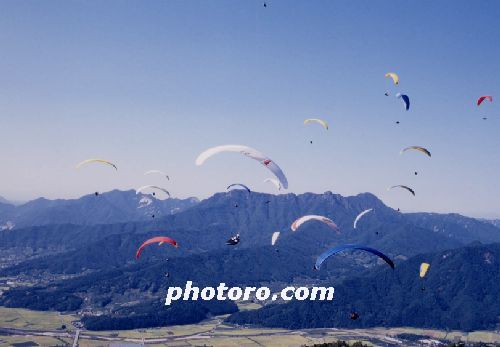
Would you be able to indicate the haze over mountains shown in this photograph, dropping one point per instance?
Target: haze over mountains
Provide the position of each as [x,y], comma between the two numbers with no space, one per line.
[111,207]
[92,268]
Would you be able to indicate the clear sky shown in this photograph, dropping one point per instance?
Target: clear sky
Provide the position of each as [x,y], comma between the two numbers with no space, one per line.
[150,84]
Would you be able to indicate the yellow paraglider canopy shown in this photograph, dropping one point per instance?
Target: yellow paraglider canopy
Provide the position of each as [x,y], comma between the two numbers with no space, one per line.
[423,269]
[394,76]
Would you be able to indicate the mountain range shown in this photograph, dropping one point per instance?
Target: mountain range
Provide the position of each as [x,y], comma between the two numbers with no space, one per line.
[91,267]
[106,208]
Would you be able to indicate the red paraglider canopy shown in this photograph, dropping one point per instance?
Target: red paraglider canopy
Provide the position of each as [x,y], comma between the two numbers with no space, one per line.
[159,240]
[482,98]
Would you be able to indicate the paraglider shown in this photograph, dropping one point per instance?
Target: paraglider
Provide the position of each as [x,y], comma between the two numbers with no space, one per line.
[103,161]
[424,267]
[274,181]
[484,97]
[234,240]
[157,172]
[404,187]
[317,120]
[141,189]
[359,216]
[238,185]
[416,148]
[275,237]
[394,76]
[159,240]
[249,152]
[295,225]
[341,248]
[405,99]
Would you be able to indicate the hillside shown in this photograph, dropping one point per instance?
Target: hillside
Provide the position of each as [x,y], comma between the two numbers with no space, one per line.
[461,291]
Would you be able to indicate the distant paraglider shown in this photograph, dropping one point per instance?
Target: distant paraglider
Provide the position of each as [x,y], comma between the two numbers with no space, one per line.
[274,181]
[141,189]
[403,187]
[249,152]
[484,97]
[341,248]
[417,148]
[160,240]
[275,237]
[323,123]
[359,216]
[157,172]
[234,240]
[103,161]
[405,99]
[394,76]
[238,185]
[295,225]
[424,267]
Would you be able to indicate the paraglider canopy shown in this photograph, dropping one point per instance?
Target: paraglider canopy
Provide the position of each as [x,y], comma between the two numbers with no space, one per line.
[424,267]
[406,100]
[484,97]
[249,152]
[274,181]
[295,225]
[141,189]
[102,161]
[360,215]
[157,172]
[341,248]
[275,237]
[238,185]
[394,76]
[159,240]
[417,148]
[323,123]
[404,187]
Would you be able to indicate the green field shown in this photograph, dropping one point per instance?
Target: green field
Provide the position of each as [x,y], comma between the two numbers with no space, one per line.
[212,332]
[34,320]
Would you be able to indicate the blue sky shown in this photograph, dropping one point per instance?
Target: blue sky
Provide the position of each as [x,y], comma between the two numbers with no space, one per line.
[149,85]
